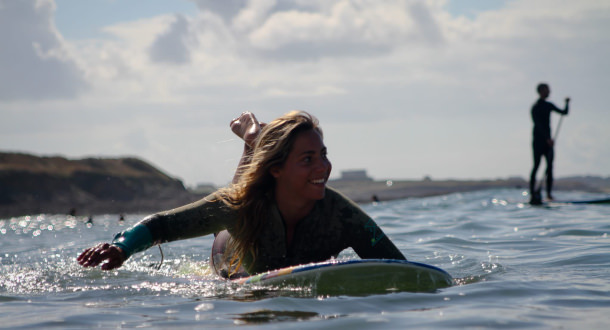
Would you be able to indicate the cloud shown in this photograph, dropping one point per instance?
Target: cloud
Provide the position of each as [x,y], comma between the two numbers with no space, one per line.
[34,62]
[253,14]
[305,30]
[378,74]
[227,9]
[345,29]
[171,46]
[426,23]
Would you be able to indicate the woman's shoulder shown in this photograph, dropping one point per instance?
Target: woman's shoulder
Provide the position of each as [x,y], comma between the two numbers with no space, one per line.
[335,195]
[335,201]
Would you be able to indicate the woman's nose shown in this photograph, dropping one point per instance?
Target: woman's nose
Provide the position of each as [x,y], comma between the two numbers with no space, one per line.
[323,165]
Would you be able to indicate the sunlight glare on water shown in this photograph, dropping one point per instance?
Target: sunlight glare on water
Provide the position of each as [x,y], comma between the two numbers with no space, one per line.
[514,266]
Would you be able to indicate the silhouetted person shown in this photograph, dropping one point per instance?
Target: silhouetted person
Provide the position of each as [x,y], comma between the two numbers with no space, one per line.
[542,142]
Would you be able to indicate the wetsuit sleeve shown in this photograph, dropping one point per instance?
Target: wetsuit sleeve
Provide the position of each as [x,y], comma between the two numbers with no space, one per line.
[132,240]
[370,242]
[201,218]
[363,234]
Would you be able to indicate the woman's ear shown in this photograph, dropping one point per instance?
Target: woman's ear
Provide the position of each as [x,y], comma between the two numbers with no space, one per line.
[275,171]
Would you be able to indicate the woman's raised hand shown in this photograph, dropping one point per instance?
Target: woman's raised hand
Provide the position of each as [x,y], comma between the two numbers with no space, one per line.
[247,127]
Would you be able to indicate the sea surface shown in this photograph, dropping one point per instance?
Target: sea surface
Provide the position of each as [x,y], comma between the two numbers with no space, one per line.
[515,266]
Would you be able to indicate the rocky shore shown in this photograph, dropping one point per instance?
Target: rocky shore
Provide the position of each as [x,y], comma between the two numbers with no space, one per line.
[32,185]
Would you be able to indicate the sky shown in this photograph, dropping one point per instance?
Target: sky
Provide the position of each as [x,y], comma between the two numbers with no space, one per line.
[402,88]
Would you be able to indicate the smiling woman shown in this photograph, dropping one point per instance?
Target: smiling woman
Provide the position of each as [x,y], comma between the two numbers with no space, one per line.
[277,213]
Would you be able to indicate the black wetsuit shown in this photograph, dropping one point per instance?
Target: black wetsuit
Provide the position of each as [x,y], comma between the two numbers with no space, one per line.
[334,224]
[541,115]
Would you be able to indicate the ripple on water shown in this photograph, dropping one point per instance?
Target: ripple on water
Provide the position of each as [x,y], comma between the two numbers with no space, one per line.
[514,266]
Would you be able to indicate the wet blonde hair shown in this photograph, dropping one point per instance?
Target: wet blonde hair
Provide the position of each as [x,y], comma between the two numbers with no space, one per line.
[254,192]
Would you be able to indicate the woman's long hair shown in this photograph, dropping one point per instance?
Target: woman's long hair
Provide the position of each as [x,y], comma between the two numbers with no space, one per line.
[254,193]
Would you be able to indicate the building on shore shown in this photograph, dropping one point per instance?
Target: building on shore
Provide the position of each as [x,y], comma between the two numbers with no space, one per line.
[354,175]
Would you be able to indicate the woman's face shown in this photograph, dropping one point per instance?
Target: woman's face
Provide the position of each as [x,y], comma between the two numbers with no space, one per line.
[306,170]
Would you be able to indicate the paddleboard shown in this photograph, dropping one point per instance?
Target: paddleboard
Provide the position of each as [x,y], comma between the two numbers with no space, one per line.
[589,201]
[356,277]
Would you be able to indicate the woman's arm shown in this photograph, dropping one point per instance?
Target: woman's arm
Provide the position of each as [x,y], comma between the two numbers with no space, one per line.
[197,219]
[203,217]
[363,234]
[373,243]
[247,127]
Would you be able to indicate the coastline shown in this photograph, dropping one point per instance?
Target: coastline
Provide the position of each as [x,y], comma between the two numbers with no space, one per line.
[363,191]
[360,191]
[31,185]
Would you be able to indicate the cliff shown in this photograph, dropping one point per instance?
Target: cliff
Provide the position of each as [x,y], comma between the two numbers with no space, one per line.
[30,185]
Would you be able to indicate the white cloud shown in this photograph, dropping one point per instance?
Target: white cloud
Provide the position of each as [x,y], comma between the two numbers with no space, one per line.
[345,29]
[226,9]
[172,46]
[253,14]
[426,92]
[34,62]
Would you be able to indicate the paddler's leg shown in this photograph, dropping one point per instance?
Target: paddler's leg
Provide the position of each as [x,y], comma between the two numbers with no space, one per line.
[537,153]
[221,259]
[549,155]
[247,127]
[218,249]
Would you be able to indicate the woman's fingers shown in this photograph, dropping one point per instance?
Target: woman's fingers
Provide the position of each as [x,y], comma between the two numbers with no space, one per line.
[247,127]
[94,256]
[85,258]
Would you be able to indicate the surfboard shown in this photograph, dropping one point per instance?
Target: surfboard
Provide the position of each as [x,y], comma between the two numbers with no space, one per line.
[356,277]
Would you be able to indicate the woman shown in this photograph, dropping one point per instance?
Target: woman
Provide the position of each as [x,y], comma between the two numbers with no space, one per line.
[277,213]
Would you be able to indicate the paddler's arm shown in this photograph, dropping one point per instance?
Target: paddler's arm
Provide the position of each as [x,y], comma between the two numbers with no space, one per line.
[197,219]
[565,110]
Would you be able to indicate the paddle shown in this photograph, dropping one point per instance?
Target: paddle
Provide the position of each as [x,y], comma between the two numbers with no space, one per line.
[537,196]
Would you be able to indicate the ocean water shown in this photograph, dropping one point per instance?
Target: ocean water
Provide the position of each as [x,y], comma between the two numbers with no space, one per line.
[515,266]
